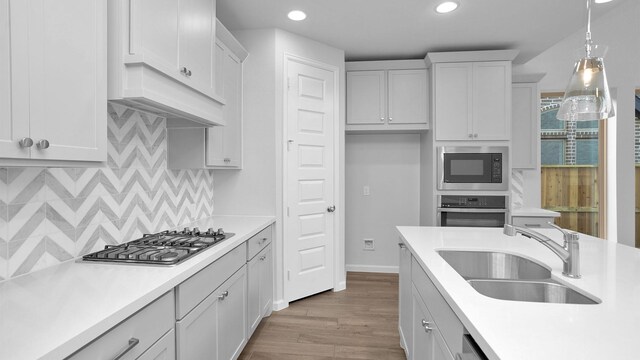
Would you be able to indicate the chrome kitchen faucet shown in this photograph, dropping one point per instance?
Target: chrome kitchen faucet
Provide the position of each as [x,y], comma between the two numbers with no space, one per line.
[569,253]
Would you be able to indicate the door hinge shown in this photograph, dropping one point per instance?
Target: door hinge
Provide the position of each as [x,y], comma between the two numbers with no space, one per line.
[288,211]
[289,275]
[288,83]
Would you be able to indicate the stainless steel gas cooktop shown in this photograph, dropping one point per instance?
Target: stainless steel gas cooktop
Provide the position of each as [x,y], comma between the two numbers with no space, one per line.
[163,248]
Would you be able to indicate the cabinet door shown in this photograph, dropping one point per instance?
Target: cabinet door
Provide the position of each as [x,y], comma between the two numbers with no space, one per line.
[266,281]
[405,311]
[232,317]
[254,315]
[525,128]
[14,90]
[67,79]
[224,143]
[196,39]
[491,100]
[407,96]
[453,101]
[366,102]
[428,344]
[197,332]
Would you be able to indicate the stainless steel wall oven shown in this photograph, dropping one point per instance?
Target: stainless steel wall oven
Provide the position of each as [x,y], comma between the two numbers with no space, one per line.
[477,211]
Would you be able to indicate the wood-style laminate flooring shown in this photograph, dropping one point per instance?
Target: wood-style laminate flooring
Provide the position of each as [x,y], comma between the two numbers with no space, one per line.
[360,322]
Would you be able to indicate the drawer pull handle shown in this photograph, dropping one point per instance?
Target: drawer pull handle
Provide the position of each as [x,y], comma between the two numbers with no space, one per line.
[223,295]
[401,245]
[132,343]
[426,325]
[532,225]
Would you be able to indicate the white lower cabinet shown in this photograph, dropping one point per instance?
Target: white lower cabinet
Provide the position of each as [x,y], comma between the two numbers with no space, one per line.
[405,301]
[148,334]
[215,329]
[260,287]
[428,343]
[232,318]
[429,329]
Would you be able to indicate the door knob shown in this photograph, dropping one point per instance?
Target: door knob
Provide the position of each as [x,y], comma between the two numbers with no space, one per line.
[42,144]
[331,208]
[25,142]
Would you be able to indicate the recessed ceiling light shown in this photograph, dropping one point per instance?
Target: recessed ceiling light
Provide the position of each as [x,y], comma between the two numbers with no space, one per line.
[447,6]
[297,15]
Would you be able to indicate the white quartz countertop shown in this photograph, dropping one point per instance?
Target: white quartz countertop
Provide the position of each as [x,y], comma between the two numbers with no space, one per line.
[512,330]
[534,212]
[51,313]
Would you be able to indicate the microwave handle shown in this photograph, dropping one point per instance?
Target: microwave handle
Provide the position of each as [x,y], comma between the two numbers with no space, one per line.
[471,210]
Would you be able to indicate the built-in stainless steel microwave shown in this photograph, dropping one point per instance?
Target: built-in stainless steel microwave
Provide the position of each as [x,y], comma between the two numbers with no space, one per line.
[473,167]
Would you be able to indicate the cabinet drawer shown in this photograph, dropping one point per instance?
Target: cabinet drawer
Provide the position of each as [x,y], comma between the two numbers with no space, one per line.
[532,222]
[163,349]
[192,291]
[147,326]
[450,326]
[258,242]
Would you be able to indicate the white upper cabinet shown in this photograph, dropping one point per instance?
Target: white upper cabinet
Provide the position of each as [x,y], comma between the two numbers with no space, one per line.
[366,97]
[52,80]
[387,96]
[161,56]
[224,143]
[525,121]
[472,98]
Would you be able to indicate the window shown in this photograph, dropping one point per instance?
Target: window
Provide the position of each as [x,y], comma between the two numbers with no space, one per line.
[572,172]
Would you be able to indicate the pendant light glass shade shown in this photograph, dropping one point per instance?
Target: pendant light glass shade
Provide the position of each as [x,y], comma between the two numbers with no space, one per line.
[587,96]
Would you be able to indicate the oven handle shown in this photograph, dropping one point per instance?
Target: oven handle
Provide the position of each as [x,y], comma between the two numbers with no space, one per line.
[472,210]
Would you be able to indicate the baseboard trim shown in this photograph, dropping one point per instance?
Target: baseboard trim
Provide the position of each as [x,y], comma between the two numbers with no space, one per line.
[279,305]
[373,268]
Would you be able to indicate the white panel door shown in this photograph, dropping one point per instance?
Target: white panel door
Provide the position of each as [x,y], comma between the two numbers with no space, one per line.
[14,87]
[309,224]
[67,77]
[407,96]
[491,100]
[366,98]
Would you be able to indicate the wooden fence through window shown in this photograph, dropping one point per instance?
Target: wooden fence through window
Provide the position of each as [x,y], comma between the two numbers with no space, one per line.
[572,190]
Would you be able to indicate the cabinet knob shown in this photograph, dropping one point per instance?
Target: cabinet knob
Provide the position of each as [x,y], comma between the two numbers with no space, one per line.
[401,245]
[382,119]
[185,71]
[262,257]
[25,142]
[223,295]
[390,119]
[475,135]
[470,135]
[227,160]
[331,208]
[42,144]
[426,325]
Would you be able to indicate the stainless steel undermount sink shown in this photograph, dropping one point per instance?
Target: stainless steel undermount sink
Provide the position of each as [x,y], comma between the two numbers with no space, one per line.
[494,265]
[511,277]
[532,291]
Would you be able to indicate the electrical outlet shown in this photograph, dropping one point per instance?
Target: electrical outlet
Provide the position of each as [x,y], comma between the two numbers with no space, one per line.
[366,191]
[369,244]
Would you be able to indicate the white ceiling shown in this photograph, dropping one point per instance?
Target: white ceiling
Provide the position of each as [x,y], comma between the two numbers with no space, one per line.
[404,29]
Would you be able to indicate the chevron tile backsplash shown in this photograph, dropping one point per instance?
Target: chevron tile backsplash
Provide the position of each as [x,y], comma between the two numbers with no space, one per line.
[51,215]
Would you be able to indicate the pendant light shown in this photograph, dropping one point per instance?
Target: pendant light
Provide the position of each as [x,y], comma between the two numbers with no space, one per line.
[587,96]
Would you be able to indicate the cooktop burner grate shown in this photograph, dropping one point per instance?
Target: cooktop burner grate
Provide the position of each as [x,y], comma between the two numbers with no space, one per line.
[164,248]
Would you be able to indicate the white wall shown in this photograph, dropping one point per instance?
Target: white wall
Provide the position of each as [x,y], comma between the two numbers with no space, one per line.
[390,166]
[252,190]
[620,31]
[257,189]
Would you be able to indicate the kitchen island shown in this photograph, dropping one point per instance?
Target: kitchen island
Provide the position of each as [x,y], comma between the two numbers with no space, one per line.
[51,313]
[531,330]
